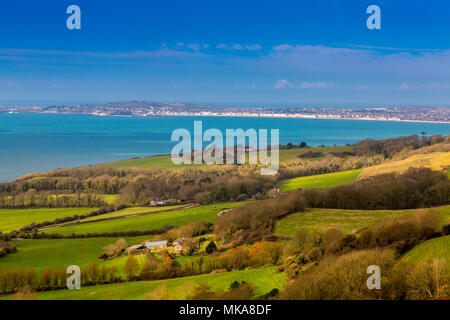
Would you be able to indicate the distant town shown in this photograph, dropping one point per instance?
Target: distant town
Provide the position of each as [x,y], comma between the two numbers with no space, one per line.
[157,109]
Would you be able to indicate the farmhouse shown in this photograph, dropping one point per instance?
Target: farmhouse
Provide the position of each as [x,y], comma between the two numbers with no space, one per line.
[156,245]
[150,246]
[178,246]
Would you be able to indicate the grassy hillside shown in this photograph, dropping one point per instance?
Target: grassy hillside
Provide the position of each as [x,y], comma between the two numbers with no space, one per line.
[323,219]
[14,219]
[435,161]
[109,198]
[264,279]
[434,248]
[321,181]
[56,253]
[163,162]
[207,213]
[291,154]
[129,212]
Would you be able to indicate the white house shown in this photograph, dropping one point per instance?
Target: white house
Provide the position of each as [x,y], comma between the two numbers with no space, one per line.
[156,244]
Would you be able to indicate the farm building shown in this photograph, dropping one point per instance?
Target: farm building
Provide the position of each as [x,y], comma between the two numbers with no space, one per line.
[150,246]
[156,245]
[136,249]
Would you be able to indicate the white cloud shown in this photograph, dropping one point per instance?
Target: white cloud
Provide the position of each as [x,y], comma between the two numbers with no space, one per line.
[439,85]
[193,46]
[253,47]
[283,83]
[404,86]
[236,46]
[315,85]
[282,47]
[221,46]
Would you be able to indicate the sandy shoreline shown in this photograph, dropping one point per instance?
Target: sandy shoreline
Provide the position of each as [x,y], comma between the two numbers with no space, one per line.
[298,116]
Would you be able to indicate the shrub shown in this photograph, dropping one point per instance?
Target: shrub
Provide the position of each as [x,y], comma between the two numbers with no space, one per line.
[211,247]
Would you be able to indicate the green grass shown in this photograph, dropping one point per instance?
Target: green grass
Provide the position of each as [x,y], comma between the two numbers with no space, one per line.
[318,220]
[59,253]
[109,198]
[429,250]
[291,154]
[14,219]
[163,162]
[321,181]
[207,213]
[128,212]
[264,279]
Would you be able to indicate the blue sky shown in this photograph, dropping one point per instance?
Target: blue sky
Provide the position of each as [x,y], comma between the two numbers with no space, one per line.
[226,52]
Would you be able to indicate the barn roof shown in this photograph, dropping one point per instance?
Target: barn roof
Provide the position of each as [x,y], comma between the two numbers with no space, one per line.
[155,243]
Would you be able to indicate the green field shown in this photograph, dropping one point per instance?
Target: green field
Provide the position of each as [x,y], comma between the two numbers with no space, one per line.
[318,220]
[14,219]
[129,212]
[291,154]
[429,250]
[162,162]
[264,279]
[207,213]
[321,181]
[56,253]
[109,198]
[165,162]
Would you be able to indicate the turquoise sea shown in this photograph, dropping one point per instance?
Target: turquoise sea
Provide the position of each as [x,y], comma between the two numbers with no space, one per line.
[40,142]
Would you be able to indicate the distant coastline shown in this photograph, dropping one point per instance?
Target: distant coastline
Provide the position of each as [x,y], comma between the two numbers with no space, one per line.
[265,116]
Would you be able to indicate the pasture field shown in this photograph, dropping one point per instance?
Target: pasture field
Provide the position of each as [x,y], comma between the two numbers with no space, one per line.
[14,219]
[206,213]
[128,212]
[435,161]
[162,162]
[292,154]
[287,155]
[165,162]
[109,198]
[59,253]
[429,250]
[318,220]
[264,279]
[321,181]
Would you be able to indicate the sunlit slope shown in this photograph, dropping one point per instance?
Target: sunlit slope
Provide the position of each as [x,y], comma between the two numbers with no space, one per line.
[321,181]
[320,220]
[434,161]
[14,219]
[435,248]
[264,279]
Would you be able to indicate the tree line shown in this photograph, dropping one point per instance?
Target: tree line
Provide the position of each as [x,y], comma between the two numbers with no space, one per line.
[415,188]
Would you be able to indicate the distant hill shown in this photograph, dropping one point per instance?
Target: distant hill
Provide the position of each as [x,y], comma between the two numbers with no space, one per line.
[435,161]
